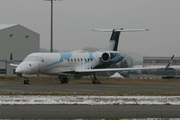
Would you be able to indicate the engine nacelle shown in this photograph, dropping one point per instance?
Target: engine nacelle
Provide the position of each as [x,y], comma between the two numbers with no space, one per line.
[105,57]
[111,57]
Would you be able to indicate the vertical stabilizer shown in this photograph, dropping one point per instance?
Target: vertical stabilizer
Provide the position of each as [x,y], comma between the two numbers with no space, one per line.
[114,40]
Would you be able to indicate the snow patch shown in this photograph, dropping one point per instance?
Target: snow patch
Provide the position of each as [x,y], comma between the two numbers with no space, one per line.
[88,100]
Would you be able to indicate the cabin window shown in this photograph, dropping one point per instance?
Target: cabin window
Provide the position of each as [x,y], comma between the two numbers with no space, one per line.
[71,60]
[81,59]
[75,59]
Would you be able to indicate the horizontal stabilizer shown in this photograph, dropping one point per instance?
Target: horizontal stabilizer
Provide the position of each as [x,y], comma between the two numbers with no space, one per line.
[120,30]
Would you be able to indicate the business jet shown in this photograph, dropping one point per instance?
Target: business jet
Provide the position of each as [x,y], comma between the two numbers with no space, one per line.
[76,63]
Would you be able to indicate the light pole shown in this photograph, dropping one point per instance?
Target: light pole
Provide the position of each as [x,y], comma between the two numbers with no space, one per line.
[51,43]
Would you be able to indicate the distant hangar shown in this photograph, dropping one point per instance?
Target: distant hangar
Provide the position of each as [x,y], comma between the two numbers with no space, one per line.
[148,61]
[18,40]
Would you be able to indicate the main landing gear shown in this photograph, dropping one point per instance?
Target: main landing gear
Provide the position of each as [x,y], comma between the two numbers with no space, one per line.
[95,79]
[27,81]
[63,79]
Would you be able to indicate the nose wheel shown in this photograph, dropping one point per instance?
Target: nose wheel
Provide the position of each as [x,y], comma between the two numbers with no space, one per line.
[26,82]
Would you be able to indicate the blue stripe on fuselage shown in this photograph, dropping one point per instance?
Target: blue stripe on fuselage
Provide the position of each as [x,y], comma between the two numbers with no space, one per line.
[62,56]
[65,56]
[90,57]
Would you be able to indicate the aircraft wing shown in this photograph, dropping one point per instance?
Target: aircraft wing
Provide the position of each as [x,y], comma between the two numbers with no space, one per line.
[125,69]
[175,67]
[119,69]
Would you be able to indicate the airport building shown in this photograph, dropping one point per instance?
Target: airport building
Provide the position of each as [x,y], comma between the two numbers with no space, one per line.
[18,40]
[156,73]
[147,61]
[150,61]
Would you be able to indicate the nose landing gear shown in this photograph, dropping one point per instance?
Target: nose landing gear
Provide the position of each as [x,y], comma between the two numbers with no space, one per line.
[27,81]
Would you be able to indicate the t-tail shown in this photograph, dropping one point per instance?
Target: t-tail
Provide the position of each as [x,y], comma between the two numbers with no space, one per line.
[114,39]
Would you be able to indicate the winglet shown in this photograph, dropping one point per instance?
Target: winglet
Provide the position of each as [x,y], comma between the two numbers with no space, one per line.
[11,59]
[169,62]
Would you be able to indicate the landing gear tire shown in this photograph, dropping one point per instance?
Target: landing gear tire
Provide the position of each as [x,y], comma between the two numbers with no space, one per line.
[95,79]
[63,79]
[96,82]
[26,82]
[66,80]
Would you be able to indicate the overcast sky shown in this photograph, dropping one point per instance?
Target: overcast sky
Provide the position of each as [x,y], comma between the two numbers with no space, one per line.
[75,19]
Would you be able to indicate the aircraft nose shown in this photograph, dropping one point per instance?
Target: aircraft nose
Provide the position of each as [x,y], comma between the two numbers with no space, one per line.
[24,68]
[19,69]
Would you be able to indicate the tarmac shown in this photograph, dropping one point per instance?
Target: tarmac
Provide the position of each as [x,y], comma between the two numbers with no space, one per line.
[87,88]
[89,111]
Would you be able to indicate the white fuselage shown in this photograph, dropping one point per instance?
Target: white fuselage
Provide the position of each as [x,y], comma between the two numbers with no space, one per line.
[59,63]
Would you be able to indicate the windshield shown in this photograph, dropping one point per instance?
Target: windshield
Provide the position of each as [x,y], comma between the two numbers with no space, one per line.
[34,58]
[31,58]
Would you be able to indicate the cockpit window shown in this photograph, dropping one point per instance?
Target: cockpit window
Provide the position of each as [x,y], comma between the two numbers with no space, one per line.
[31,58]
[34,58]
[40,59]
